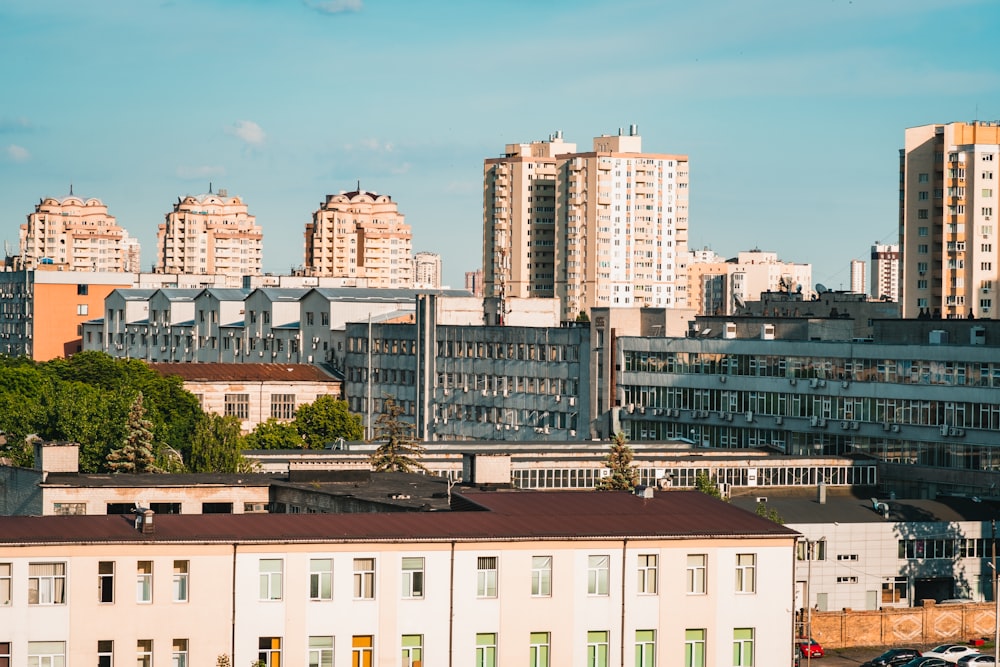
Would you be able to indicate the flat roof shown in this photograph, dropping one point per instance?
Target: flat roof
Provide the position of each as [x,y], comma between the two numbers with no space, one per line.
[856,507]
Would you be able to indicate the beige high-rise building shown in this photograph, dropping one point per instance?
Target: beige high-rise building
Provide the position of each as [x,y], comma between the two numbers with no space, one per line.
[77,234]
[858,276]
[209,234]
[427,269]
[606,227]
[716,286]
[360,235]
[947,228]
[885,272]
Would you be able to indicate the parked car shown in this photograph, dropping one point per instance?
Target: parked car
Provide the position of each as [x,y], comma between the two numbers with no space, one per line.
[951,652]
[810,648]
[977,659]
[924,661]
[893,657]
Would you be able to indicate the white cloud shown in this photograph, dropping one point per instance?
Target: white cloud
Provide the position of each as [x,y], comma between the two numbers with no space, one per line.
[248,131]
[18,153]
[372,144]
[335,6]
[200,172]
[403,168]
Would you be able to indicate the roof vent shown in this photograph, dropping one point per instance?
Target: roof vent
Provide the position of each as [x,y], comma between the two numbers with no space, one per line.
[144,520]
[644,491]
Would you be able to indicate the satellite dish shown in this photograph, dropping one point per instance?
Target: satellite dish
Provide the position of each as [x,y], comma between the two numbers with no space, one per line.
[738,300]
[820,288]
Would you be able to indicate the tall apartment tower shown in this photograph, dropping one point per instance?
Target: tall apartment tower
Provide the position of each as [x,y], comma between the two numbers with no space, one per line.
[519,219]
[427,269]
[360,235]
[606,227]
[78,235]
[885,272]
[858,276]
[947,229]
[209,234]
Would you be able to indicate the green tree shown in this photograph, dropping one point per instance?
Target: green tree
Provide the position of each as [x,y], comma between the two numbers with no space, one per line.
[326,419]
[218,446]
[624,476]
[706,484]
[769,513]
[583,317]
[398,450]
[274,434]
[136,453]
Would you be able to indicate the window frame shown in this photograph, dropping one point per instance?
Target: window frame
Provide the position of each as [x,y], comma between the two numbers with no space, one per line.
[486,649]
[413,576]
[180,581]
[487,576]
[412,650]
[144,652]
[540,649]
[320,580]
[598,648]
[266,654]
[541,576]
[648,568]
[236,405]
[106,582]
[144,582]
[697,575]
[105,652]
[645,648]
[270,581]
[694,647]
[741,646]
[746,574]
[364,579]
[6,584]
[363,646]
[46,652]
[180,653]
[56,586]
[321,651]
[599,575]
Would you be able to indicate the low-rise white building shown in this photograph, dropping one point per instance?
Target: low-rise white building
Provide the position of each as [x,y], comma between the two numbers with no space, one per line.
[556,578]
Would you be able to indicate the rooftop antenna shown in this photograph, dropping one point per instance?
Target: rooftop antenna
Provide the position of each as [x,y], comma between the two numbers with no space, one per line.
[210,187]
[71,189]
[359,185]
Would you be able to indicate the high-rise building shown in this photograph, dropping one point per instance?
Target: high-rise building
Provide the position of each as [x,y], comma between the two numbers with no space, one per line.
[885,272]
[427,269]
[76,234]
[474,282]
[606,227]
[209,234]
[360,235]
[858,276]
[717,286]
[947,230]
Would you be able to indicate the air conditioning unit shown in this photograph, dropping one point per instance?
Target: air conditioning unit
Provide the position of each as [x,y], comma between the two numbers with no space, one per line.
[484,392]
[955,432]
[631,408]
[572,433]
[572,400]
[545,430]
[779,420]
[885,426]
[855,426]
[814,383]
[845,384]
[445,391]
[944,429]
[845,425]
[558,398]
[722,379]
[729,416]
[499,427]
[814,420]
[749,415]
[895,428]
[793,381]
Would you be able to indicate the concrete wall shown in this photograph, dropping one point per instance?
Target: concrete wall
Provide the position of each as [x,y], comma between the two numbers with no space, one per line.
[929,624]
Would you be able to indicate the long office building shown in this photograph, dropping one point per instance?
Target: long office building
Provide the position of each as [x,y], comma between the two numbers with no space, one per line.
[211,233]
[528,578]
[947,229]
[607,227]
[76,234]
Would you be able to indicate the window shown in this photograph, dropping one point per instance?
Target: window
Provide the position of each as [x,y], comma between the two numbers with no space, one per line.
[694,648]
[5,584]
[697,573]
[47,583]
[413,650]
[237,405]
[82,309]
[810,550]
[282,406]
[541,576]
[597,648]
[645,648]
[216,508]
[270,578]
[647,574]
[923,231]
[413,577]
[180,581]
[69,509]
[48,654]
[144,653]
[82,290]
[179,658]
[486,577]
[321,652]
[106,581]
[743,647]
[321,579]
[486,649]
[364,578]
[538,650]
[362,651]
[269,651]
[598,569]
[894,590]
[746,573]
[922,248]
[144,581]
[105,653]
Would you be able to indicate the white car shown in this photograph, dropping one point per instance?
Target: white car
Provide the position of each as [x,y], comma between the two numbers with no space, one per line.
[977,660]
[950,652]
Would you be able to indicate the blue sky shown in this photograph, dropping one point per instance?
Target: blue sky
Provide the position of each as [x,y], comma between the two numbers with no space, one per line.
[792,111]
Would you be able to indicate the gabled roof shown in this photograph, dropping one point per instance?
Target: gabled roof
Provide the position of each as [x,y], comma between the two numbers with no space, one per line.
[506,516]
[223,372]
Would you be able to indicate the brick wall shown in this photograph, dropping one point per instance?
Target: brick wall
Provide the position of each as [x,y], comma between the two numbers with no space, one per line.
[929,624]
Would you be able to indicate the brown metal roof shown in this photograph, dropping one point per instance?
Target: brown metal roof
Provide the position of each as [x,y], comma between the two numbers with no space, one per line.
[508,516]
[220,372]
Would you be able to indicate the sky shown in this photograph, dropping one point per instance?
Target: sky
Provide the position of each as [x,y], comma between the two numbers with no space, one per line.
[792,112]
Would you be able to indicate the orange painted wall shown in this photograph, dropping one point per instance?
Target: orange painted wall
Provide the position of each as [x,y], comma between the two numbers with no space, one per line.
[55,330]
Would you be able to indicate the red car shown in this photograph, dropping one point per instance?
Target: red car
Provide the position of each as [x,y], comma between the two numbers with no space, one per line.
[810,648]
